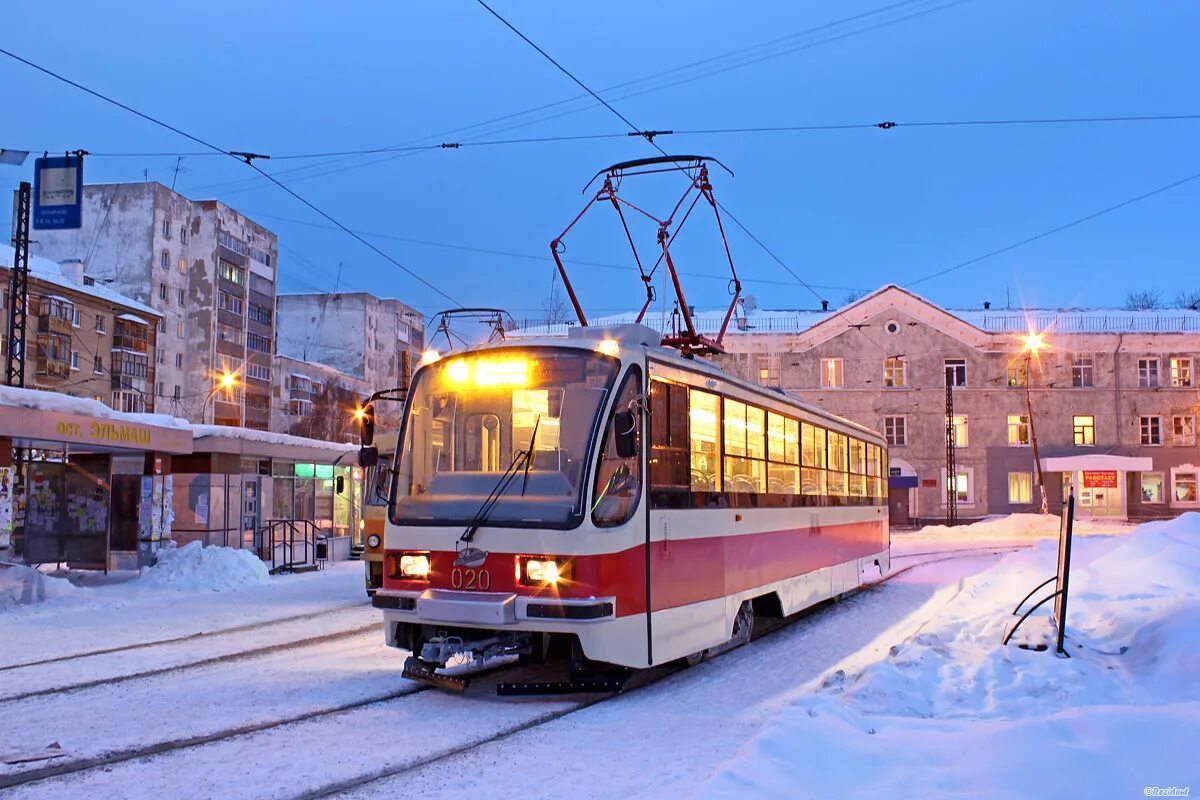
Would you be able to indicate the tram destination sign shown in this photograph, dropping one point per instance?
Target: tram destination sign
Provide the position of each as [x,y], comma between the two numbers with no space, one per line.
[58,193]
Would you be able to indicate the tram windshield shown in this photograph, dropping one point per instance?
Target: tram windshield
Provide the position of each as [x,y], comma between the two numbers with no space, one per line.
[472,418]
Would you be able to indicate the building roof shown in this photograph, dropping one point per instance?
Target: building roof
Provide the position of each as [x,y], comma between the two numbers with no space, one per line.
[48,271]
[1055,320]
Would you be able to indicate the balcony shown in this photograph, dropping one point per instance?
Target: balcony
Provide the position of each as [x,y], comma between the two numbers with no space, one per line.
[52,323]
[53,367]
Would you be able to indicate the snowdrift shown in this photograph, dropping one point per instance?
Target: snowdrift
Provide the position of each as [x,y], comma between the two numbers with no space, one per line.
[21,585]
[1018,526]
[945,711]
[194,566]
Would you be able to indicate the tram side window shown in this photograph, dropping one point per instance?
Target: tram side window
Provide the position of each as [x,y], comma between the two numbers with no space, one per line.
[783,454]
[704,411]
[670,483]
[837,468]
[813,460]
[745,449]
[619,480]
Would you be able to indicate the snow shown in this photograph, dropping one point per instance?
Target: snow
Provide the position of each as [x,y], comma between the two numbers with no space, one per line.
[48,271]
[268,437]
[21,585]
[195,566]
[981,718]
[66,404]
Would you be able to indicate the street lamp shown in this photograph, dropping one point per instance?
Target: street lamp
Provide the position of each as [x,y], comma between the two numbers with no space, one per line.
[1033,343]
[225,382]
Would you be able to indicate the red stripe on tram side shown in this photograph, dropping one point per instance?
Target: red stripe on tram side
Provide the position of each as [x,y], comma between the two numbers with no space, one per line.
[682,571]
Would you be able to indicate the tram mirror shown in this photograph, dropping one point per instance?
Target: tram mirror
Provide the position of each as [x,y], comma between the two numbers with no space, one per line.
[625,434]
[366,424]
[339,484]
[368,455]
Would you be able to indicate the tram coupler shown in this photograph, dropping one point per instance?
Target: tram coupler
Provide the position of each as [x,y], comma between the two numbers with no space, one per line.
[426,673]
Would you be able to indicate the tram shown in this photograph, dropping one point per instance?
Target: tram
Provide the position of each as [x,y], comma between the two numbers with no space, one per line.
[611,499]
[375,503]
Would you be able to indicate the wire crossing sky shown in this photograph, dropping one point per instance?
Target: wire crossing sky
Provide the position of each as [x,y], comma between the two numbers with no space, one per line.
[1011,152]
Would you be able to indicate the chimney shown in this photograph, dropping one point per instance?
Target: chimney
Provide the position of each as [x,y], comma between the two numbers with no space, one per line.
[824,305]
[986,305]
[73,269]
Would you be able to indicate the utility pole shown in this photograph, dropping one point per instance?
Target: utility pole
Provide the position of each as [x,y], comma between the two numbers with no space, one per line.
[1045,505]
[951,460]
[18,290]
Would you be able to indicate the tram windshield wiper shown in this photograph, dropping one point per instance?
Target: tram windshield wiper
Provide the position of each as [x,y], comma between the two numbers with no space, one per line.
[522,460]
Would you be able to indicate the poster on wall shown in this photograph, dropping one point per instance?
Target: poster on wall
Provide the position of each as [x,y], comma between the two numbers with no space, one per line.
[156,505]
[201,510]
[168,505]
[146,509]
[6,507]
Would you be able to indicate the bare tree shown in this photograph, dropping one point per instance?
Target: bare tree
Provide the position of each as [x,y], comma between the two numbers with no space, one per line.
[554,307]
[331,417]
[1143,300]
[1187,298]
[853,295]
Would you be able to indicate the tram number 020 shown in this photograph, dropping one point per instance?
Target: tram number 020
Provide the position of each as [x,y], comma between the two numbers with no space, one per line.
[479,579]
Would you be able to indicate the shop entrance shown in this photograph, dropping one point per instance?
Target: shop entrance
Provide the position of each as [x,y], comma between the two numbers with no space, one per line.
[1100,493]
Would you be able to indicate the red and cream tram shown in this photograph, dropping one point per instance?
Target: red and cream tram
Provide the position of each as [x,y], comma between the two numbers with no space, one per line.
[605,496]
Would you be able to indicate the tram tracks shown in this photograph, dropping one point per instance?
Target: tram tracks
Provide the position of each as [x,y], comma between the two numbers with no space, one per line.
[375,703]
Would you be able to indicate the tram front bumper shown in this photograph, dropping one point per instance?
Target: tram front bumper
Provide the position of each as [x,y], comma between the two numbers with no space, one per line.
[491,609]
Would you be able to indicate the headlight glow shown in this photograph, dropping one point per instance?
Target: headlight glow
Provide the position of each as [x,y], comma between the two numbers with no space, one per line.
[373,540]
[545,571]
[407,566]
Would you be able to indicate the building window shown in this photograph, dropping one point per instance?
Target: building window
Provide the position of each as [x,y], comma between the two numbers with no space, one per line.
[1018,372]
[260,343]
[768,370]
[1183,431]
[232,272]
[129,402]
[158,390]
[1152,487]
[1018,430]
[1151,428]
[100,323]
[259,372]
[98,365]
[179,329]
[75,318]
[162,291]
[161,356]
[183,234]
[257,313]
[229,302]
[183,266]
[895,373]
[1020,487]
[831,373]
[963,485]
[896,431]
[74,360]
[177,390]
[179,361]
[956,372]
[960,430]
[1181,372]
[1083,371]
[164,259]
[1184,487]
[1084,429]
[1148,373]
[162,324]
[181,296]
[166,227]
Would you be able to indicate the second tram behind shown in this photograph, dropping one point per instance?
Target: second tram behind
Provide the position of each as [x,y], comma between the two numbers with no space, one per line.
[606,497]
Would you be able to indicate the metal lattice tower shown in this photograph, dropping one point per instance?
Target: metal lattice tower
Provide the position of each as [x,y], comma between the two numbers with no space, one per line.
[18,292]
[951,463]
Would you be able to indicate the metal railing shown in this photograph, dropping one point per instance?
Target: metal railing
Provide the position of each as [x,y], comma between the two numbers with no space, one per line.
[288,543]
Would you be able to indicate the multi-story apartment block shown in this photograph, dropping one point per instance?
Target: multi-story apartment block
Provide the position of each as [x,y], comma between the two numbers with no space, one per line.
[208,271]
[83,338]
[310,398]
[1114,398]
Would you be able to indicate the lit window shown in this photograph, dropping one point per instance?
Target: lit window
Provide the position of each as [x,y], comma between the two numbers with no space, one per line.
[896,431]
[1018,372]
[961,439]
[1083,371]
[703,415]
[1181,372]
[1148,373]
[1020,487]
[1152,487]
[183,266]
[831,373]
[1185,487]
[962,485]
[1183,431]
[1084,429]
[768,370]
[956,372]
[1018,430]
[895,373]
[1151,429]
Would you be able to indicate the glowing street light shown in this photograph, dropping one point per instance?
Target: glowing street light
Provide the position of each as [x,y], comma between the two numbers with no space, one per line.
[227,381]
[1033,343]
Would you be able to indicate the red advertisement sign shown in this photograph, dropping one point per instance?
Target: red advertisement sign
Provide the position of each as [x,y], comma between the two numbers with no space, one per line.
[1099,479]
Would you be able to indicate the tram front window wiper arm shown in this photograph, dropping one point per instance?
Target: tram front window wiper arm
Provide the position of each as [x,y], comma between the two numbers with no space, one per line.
[523,459]
[530,451]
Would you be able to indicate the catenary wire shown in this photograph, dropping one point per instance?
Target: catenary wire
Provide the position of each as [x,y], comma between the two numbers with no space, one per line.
[249,160]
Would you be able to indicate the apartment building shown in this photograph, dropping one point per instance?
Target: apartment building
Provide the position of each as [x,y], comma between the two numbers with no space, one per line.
[209,272]
[83,338]
[1113,393]
[315,400]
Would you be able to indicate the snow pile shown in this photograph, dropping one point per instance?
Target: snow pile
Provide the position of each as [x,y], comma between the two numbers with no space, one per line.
[195,566]
[944,710]
[1017,526]
[20,585]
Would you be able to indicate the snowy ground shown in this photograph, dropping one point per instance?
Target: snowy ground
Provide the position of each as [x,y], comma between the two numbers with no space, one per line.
[902,688]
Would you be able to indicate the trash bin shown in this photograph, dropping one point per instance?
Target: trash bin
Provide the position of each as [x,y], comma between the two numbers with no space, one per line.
[321,548]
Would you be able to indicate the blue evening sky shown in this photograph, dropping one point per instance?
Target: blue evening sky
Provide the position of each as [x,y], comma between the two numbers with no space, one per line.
[846,208]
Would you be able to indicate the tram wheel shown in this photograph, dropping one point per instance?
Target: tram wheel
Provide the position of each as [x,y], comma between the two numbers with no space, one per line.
[743,624]
[693,659]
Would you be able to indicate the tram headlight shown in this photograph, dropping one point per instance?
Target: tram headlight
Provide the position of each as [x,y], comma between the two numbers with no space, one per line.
[408,566]
[545,571]
[373,540]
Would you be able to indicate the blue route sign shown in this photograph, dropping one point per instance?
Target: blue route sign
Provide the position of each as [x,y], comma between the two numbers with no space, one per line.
[58,193]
